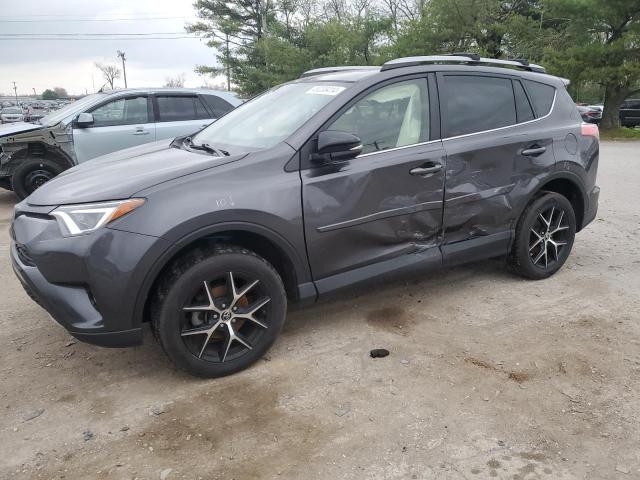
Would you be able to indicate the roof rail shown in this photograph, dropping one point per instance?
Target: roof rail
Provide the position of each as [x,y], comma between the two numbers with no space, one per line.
[320,71]
[464,58]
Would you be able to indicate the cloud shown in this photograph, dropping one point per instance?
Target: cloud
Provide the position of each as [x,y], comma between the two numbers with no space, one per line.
[42,64]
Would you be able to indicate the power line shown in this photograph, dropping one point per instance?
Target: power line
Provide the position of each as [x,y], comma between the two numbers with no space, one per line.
[65,20]
[86,34]
[87,15]
[9,39]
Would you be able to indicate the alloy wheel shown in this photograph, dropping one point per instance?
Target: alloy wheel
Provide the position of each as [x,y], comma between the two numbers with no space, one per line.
[549,235]
[225,318]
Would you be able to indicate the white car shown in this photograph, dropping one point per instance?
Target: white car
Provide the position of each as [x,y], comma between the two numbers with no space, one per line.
[98,124]
[11,115]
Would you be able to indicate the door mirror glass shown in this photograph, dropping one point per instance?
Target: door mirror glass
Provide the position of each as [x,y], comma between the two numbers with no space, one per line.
[337,146]
[84,120]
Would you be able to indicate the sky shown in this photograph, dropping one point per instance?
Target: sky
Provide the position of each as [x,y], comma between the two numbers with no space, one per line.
[40,62]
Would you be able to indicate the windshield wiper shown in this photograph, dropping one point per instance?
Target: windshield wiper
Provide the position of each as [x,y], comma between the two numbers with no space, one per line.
[207,148]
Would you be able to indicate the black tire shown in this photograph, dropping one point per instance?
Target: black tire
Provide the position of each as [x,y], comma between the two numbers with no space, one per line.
[540,248]
[180,332]
[32,173]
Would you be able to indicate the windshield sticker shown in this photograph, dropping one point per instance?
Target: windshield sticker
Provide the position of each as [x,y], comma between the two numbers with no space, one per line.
[325,90]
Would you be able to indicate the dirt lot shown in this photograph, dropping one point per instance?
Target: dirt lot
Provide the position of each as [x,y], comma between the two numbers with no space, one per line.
[489,376]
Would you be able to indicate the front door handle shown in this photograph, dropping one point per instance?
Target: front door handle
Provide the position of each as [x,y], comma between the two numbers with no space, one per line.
[534,151]
[141,131]
[426,170]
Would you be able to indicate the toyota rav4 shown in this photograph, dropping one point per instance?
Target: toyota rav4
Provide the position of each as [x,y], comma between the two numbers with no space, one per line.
[343,176]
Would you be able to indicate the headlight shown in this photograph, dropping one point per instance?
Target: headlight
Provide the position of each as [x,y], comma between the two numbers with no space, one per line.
[79,219]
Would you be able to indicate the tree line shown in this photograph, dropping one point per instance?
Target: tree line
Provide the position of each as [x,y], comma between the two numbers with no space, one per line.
[261,43]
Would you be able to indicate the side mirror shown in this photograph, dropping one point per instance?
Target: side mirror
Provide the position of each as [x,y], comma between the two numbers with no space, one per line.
[337,146]
[84,120]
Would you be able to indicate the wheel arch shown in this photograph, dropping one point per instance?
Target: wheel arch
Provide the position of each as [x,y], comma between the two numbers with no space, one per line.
[568,185]
[40,149]
[259,239]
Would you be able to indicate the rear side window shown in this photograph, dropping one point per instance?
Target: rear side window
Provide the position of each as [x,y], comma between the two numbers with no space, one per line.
[217,105]
[176,108]
[541,96]
[524,111]
[474,103]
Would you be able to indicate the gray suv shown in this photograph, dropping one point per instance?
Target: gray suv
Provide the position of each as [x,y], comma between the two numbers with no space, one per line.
[98,124]
[342,177]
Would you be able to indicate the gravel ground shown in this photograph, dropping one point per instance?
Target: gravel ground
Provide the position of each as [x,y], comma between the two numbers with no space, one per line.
[489,376]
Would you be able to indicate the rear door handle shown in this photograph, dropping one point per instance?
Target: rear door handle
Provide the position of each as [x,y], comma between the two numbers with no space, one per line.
[427,170]
[534,151]
[141,131]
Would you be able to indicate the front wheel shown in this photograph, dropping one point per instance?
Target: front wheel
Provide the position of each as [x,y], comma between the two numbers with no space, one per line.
[219,311]
[544,237]
[31,174]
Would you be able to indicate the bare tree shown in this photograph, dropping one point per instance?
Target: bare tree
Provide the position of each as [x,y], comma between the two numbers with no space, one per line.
[177,81]
[110,73]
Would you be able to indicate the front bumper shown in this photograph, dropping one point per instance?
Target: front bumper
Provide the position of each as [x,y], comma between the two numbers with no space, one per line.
[89,284]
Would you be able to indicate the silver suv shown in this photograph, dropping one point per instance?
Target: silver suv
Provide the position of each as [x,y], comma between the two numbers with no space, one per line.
[31,154]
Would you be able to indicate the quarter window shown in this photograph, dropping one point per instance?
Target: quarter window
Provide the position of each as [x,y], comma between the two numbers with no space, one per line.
[393,116]
[177,108]
[523,107]
[123,111]
[473,103]
[217,105]
[541,96]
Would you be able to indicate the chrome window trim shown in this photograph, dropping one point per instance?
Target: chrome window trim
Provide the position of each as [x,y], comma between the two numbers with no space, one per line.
[553,104]
[398,148]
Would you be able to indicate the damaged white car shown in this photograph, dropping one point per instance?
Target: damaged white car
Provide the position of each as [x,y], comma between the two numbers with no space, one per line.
[98,124]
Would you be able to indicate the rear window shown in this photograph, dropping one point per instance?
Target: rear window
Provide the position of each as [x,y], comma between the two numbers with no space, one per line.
[474,103]
[541,96]
[177,108]
[217,105]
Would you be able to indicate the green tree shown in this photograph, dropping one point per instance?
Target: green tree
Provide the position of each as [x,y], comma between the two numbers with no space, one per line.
[601,43]
[60,92]
[493,28]
[49,94]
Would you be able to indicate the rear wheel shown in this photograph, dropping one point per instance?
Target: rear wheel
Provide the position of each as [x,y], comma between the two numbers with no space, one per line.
[544,237]
[217,312]
[31,174]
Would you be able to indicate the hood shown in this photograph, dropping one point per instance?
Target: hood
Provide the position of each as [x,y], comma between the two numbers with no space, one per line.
[18,127]
[121,174]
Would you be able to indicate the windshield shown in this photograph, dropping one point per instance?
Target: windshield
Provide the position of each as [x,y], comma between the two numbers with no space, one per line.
[271,117]
[75,107]
[12,110]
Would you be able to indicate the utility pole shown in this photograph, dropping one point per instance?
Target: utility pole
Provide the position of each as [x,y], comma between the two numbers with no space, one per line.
[124,70]
[15,90]
[34,92]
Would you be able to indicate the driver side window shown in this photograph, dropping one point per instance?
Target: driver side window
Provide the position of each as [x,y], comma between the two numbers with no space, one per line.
[123,111]
[396,115]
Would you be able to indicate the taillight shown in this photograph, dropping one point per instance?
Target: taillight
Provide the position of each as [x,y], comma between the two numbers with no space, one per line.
[590,130]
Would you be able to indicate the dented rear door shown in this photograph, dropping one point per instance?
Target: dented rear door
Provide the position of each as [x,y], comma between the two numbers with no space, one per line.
[497,152]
